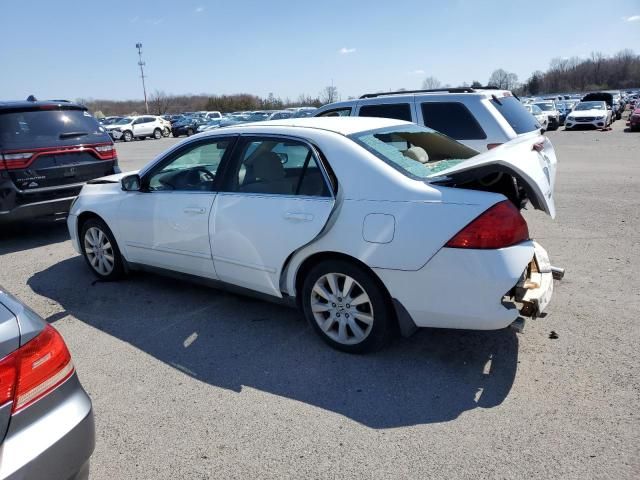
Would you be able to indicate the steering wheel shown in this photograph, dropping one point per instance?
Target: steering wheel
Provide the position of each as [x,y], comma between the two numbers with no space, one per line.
[198,176]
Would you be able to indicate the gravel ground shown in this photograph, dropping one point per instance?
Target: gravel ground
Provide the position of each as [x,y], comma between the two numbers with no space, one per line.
[189,382]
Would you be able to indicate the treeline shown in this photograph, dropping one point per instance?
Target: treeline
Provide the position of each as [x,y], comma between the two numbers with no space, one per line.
[598,72]
[160,103]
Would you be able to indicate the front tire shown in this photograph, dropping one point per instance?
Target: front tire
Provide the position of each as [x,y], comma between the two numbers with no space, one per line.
[166,132]
[347,306]
[189,132]
[157,134]
[100,250]
[127,136]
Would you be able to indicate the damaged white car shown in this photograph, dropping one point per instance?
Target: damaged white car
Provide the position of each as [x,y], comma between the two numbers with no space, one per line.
[366,224]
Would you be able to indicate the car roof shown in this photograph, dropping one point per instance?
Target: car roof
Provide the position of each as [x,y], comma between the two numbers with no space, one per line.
[342,125]
[26,106]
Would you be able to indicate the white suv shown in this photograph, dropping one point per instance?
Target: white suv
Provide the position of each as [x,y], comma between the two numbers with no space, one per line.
[142,126]
[479,118]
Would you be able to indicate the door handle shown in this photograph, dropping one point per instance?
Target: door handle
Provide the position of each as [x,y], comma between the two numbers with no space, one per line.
[194,210]
[298,217]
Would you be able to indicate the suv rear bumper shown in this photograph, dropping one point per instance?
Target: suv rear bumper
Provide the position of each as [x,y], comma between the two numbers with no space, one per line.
[37,209]
[16,204]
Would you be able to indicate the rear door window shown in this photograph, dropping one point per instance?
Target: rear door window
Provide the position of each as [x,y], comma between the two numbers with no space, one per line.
[46,128]
[453,119]
[398,111]
[515,114]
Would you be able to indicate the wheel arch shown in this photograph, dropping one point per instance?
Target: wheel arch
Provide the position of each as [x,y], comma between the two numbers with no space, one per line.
[312,260]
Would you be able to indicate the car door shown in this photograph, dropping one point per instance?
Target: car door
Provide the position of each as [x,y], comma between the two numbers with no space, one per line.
[166,223]
[138,127]
[275,198]
[148,125]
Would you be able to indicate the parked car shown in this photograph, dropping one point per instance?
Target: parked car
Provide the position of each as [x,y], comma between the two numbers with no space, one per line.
[594,114]
[47,151]
[540,116]
[618,103]
[550,109]
[213,115]
[279,115]
[602,97]
[143,126]
[634,120]
[108,120]
[46,418]
[209,125]
[480,119]
[186,126]
[365,223]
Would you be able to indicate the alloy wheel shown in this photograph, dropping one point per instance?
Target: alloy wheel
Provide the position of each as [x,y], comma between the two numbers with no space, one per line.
[342,308]
[99,251]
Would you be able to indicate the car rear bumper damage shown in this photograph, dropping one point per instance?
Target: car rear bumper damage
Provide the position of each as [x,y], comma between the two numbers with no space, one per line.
[474,289]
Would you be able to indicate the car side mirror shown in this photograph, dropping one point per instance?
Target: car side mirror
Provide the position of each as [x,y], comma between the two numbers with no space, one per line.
[608,107]
[131,183]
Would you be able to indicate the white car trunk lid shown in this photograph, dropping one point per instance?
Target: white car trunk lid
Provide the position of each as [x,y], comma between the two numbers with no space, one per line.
[531,159]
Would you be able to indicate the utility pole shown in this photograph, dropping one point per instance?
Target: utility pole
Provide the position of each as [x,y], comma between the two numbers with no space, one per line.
[142,64]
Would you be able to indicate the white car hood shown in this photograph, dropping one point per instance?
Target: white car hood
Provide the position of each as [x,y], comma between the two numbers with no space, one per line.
[535,169]
[588,113]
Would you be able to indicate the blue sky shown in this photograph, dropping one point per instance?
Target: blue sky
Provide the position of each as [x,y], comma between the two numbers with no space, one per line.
[86,49]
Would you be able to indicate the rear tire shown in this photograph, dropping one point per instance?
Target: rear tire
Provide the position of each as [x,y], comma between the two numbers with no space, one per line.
[100,250]
[347,306]
[189,132]
[157,134]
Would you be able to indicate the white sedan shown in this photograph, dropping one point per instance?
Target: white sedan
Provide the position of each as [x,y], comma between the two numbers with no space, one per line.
[589,114]
[366,224]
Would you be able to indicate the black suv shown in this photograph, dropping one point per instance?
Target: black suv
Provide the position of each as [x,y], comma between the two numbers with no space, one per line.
[48,150]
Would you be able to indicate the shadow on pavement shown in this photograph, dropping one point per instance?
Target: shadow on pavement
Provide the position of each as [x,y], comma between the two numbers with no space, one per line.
[231,341]
[26,235]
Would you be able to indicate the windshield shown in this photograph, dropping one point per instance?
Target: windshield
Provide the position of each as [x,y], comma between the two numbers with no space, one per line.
[590,106]
[415,151]
[123,121]
[45,128]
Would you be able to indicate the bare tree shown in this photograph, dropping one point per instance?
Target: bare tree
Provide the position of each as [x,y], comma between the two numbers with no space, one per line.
[431,83]
[329,94]
[159,102]
[504,80]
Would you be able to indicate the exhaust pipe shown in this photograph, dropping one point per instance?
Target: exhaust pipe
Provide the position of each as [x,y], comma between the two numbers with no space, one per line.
[557,273]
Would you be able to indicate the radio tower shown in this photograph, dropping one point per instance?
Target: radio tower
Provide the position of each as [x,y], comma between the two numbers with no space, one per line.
[142,64]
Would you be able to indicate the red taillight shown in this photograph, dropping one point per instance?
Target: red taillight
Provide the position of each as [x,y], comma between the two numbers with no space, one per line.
[8,375]
[20,159]
[106,152]
[34,370]
[499,226]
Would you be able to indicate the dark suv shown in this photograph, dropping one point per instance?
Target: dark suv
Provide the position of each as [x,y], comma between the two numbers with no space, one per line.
[48,150]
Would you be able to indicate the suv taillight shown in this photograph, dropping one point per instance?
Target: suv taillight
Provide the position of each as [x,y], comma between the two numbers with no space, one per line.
[34,370]
[500,226]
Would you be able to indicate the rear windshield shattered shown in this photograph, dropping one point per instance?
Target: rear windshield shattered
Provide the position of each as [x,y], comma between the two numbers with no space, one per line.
[415,151]
[46,128]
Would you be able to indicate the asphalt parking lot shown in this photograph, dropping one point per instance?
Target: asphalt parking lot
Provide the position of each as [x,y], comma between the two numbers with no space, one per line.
[189,382]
